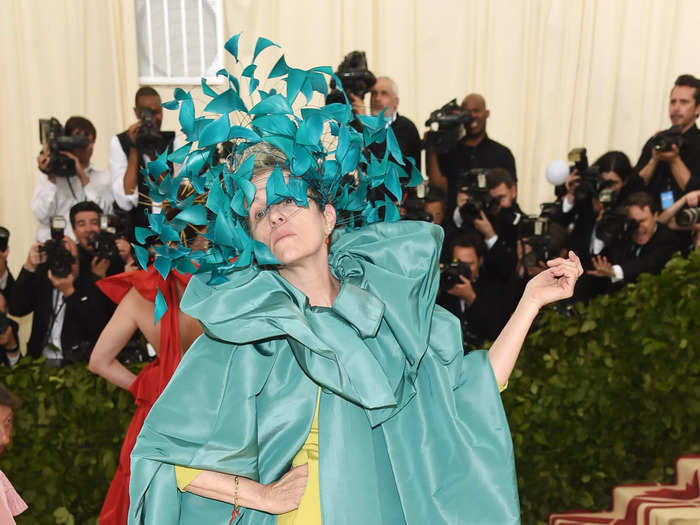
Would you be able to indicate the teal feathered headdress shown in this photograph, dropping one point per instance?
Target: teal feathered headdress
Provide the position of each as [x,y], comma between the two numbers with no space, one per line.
[320,149]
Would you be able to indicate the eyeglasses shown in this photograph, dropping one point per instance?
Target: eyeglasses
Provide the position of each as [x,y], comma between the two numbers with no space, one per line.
[285,208]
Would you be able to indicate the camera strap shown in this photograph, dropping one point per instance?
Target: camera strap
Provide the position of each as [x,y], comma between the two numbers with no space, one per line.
[58,302]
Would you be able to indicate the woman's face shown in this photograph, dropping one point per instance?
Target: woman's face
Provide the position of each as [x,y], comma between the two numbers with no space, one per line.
[292,233]
[614,178]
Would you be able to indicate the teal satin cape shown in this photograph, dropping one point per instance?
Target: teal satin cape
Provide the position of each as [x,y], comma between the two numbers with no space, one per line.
[410,430]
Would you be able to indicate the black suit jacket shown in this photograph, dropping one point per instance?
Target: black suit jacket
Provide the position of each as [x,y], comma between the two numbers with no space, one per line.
[648,258]
[87,310]
[486,317]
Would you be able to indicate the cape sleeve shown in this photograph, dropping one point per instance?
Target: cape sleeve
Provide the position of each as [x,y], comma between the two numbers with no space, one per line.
[205,419]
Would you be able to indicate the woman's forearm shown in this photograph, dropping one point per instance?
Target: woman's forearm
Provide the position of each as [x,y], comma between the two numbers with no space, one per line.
[114,372]
[222,487]
[505,349]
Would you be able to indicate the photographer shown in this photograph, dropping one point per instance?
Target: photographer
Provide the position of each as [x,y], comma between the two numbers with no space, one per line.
[670,160]
[588,195]
[474,150]
[435,204]
[115,252]
[69,310]
[7,281]
[472,295]
[55,194]
[9,336]
[384,95]
[130,151]
[646,249]
[493,212]
[684,216]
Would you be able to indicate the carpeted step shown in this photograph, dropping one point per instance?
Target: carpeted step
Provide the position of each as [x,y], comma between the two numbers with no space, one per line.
[651,504]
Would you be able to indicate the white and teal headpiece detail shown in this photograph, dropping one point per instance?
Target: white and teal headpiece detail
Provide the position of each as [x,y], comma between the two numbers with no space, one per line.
[312,161]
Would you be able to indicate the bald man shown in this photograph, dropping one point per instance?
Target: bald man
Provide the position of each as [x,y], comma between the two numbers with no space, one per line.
[474,150]
[384,95]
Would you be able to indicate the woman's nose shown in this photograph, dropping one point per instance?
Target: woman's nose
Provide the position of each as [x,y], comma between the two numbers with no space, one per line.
[275,215]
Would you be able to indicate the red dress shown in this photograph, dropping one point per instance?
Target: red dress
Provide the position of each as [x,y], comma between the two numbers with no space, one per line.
[151,380]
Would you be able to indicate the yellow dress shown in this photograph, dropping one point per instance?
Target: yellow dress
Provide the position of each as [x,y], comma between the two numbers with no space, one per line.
[309,510]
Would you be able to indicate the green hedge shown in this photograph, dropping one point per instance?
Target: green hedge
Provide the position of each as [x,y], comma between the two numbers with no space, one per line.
[609,396]
[67,437]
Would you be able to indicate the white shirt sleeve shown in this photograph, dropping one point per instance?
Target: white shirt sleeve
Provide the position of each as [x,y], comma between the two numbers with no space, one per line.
[3,280]
[117,168]
[44,198]
[619,274]
[491,241]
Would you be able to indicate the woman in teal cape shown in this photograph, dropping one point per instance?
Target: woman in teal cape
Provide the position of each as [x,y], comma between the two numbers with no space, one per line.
[410,431]
[336,348]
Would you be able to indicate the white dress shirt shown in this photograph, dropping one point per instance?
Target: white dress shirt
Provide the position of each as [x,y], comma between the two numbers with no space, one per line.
[118,163]
[58,198]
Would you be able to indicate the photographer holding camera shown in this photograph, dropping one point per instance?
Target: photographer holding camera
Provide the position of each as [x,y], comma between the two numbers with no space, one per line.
[646,247]
[69,310]
[66,177]
[7,281]
[474,150]
[670,160]
[470,293]
[130,151]
[100,253]
[384,95]
[589,205]
[9,336]
[486,204]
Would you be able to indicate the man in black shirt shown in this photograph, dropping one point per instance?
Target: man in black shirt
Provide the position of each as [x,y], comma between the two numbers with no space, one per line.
[384,95]
[669,174]
[474,150]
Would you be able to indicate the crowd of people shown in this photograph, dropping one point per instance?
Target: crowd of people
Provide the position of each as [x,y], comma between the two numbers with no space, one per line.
[622,220]
[620,217]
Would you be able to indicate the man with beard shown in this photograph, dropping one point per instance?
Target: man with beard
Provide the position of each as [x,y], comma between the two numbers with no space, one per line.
[672,169]
[474,150]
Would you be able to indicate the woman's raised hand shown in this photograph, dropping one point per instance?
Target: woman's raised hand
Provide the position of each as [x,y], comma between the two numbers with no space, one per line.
[555,283]
[285,494]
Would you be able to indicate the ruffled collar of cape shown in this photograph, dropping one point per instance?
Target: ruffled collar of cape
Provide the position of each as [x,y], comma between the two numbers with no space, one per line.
[387,271]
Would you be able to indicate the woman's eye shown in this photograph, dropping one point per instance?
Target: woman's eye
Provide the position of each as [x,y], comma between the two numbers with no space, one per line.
[260,214]
[288,201]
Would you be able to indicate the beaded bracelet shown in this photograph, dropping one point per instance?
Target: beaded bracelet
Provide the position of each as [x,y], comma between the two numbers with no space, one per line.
[236,512]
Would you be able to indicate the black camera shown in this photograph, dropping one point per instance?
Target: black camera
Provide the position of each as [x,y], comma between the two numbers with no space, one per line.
[665,140]
[78,353]
[54,140]
[474,183]
[4,238]
[688,216]
[590,183]
[451,122]
[355,77]
[148,139]
[450,274]
[614,226]
[57,258]
[103,244]
[534,232]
